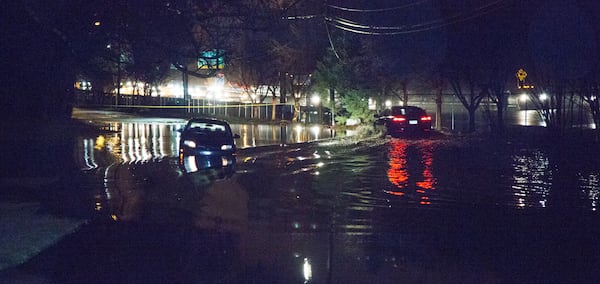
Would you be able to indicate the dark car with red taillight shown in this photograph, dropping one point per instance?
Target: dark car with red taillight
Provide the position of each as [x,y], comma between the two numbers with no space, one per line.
[405,120]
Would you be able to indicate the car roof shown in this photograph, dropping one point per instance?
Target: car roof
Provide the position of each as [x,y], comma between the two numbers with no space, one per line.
[208,120]
[407,107]
[208,124]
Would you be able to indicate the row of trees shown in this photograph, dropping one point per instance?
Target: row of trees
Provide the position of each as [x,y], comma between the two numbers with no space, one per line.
[108,42]
[290,48]
[476,57]
[434,48]
[251,43]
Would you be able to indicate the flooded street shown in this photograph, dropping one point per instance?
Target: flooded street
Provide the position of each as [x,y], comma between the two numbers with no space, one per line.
[380,210]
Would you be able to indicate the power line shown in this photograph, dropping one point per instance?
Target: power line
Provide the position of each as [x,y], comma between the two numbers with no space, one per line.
[301,17]
[377,10]
[355,27]
[331,43]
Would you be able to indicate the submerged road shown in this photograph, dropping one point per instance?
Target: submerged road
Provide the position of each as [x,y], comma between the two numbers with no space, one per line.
[379,210]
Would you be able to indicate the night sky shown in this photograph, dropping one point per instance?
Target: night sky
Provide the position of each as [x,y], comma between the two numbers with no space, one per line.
[560,38]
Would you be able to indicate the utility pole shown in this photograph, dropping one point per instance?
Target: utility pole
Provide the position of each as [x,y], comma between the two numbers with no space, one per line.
[118,77]
[438,109]
[332,100]
[282,92]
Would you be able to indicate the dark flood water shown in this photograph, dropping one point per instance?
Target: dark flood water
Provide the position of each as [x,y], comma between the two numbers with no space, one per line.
[378,211]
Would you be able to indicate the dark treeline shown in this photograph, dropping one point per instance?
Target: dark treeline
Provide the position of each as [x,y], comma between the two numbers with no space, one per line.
[346,50]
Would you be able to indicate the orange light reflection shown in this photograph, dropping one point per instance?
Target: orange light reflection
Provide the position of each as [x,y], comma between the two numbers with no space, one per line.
[398,173]
[428,179]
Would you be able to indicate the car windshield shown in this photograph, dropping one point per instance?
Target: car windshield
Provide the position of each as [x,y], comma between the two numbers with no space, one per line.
[209,133]
[212,138]
[207,127]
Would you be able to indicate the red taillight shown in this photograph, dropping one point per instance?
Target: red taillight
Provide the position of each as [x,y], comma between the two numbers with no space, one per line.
[426,118]
[398,119]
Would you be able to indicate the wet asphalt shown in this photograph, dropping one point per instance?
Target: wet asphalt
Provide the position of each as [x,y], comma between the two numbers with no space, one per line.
[382,210]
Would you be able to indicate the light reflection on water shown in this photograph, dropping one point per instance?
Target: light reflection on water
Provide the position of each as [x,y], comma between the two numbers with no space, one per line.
[590,185]
[421,180]
[531,180]
[147,141]
[366,187]
[86,154]
[131,142]
[413,171]
[253,135]
[535,179]
[411,167]
[361,182]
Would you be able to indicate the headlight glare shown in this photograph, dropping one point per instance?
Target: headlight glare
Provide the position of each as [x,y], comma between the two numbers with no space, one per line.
[189,143]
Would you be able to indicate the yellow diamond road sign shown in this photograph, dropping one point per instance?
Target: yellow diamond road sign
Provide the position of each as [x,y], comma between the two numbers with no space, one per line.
[521,74]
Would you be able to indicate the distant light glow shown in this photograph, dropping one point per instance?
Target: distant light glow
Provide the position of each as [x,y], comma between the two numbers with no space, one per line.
[315,131]
[523,97]
[398,193]
[190,164]
[216,86]
[189,143]
[100,142]
[543,97]
[97,23]
[307,270]
[372,104]
[315,100]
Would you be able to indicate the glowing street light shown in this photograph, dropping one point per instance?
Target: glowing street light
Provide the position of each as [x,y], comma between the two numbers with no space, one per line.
[523,98]
[216,87]
[315,100]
